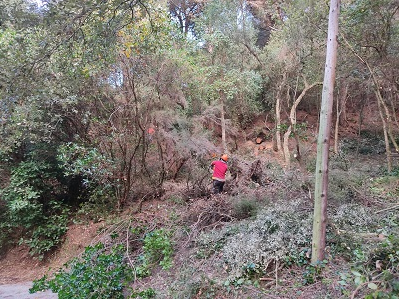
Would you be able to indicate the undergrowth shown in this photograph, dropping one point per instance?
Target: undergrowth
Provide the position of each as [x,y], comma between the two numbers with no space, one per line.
[263,243]
[106,270]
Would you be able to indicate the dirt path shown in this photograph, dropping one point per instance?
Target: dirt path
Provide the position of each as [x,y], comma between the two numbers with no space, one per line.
[18,269]
[21,291]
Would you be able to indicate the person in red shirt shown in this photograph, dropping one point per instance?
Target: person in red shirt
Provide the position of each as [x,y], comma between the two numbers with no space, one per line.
[150,133]
[219,170]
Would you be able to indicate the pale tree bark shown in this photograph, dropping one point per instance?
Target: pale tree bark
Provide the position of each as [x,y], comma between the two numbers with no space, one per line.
[340,108]
[394,113]
[321,170]
[386,136]
[223,125]
[387,117]
[278,124]
[293,121]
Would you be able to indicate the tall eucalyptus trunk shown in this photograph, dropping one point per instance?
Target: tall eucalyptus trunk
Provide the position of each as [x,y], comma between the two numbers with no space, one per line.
[321,170]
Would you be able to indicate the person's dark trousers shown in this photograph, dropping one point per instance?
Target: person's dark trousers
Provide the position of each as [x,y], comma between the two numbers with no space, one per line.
[218,186]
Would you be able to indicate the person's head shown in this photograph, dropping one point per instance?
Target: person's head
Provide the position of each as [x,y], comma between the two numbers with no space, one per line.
[224,157]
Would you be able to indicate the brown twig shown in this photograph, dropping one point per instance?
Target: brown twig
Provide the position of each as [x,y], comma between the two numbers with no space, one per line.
[389,208]
[361,286]
[127,245]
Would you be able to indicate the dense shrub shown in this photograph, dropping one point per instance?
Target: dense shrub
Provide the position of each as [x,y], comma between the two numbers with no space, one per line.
[158,249]
[31,206]
[98,274]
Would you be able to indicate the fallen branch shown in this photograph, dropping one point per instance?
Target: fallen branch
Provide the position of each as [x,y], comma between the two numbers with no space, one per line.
[267,279]
[386,209]
[127,245]
[361,286]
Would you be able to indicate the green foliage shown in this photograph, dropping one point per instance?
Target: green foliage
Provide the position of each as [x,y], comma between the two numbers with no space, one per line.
[157,248]
[301,130]
[367,144]
[250,269]
[208,245]
[375,263]
[98,192]
[31,205]
[312,272]
[176,199]
[145,294]
[80,160]
[230,67]
[99,203]
[91,77]
[96,275]
[6,231]
[49,232]
[298,258]
[394,173]
[202,287]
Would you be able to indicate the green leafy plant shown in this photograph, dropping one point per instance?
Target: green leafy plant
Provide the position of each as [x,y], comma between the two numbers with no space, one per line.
[97,274]
[48,234]
[145,294]
[374,266]
[251,269]
[31,206]
[313,272]
[157,250]
[298,258]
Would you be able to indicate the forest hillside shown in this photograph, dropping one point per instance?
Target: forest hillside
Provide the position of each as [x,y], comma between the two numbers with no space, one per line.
[113,111]
[252,242]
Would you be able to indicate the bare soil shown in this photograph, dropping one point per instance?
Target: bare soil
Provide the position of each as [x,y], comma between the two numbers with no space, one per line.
[18,268]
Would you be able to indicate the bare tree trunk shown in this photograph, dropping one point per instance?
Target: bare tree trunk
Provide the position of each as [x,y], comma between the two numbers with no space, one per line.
[388,118]
[394,113]
[386,136]
[321,170]
[278,123]
[293,120]
[360,122]
[278,114]
[286,151]
[223,125]
[340,105]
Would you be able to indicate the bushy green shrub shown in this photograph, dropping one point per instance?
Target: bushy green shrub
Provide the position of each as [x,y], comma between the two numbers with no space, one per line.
[5,234]
[101,201]
[49,233]
[145,294]
[98,274]
[31,206]
[158,249]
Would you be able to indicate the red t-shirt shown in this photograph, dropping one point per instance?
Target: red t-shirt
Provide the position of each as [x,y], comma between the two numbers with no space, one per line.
[220,167]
